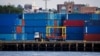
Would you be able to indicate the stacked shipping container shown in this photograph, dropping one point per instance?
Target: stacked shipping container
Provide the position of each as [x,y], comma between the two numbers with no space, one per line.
[7,25]
[19,30]
[35,22]
[92,30]
[74,29]
[55,25]
[13,27]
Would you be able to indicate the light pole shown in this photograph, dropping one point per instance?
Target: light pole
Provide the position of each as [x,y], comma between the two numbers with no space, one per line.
[46,2]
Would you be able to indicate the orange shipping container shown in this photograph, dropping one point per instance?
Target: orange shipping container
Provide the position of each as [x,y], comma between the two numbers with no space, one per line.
[18,29]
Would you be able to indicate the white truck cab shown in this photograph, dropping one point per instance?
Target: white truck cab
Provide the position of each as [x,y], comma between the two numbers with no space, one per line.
[37,36]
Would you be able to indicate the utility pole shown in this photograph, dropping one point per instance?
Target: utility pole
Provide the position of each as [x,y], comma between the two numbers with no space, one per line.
[46,4]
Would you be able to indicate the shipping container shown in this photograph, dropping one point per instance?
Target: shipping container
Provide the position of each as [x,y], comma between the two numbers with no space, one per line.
[71,30]
[31,16]
[21,37]
[99,17]
[6,29]
[58,16]
[92,29]
[18,36]
[54,22]
[95,16]
[35,29]
[19,29]
[63,17]
[20,22]
[8,19]
[52,16]
[29,36]
[35,22]
[29,30]
[7,37]
[92,23]
[73,23]
[92,37]
[79,16]
[74,36]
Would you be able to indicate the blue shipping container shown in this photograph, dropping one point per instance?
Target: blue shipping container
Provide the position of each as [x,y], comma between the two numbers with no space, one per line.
[29,30]
[99,17]
[52,16]
[6,29]
[6,37]
[8,19]
[18,36]
[30,37]
[52,22]
[75,36]
[71,30]
[92,29]
[21,36]
[36,16]
[35,22]
[95,16]
[79,16]
[18,22]
[92,23]
[35,29]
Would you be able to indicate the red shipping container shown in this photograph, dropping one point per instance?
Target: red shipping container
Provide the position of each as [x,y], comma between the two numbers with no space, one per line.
[18,29]
[92,37]
[73,23]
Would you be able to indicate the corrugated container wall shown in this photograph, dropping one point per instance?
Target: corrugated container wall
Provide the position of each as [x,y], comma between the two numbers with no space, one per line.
[8,19]
[79,16]
[95,17]
[7,29]
[54,22]
[32,30]
[92,37]
[35,23]
[92,23]
[73,23]
[30,36]
[92,29]
[31,16]
[77,36]
[6,37]
[21,36]
[75,30]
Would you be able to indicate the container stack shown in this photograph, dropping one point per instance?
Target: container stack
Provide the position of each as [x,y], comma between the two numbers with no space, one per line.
[92,30]
[35,22]
[74,29]
[55,27]
[51,25]
[19,29]
[7,25]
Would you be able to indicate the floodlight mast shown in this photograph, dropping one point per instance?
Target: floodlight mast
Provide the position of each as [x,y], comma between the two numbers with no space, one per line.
[46,2]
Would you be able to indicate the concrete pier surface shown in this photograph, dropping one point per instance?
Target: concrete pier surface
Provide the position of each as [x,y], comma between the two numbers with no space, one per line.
[91,46]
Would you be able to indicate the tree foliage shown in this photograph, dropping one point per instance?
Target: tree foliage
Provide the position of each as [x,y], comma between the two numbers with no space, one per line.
[10,9]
